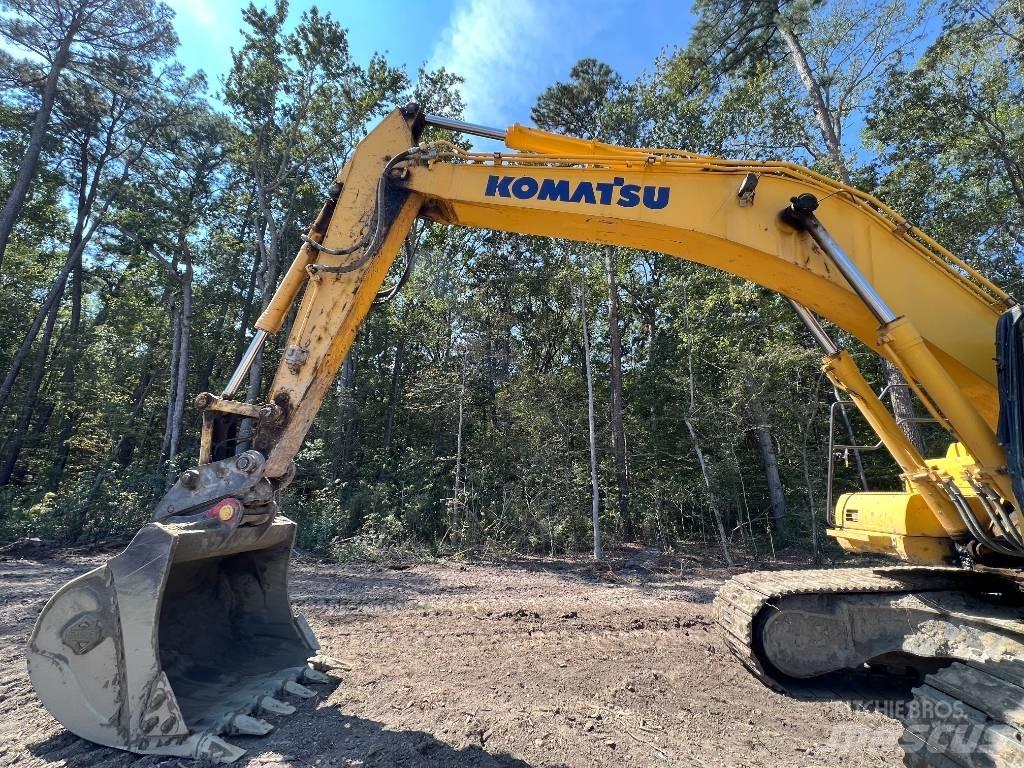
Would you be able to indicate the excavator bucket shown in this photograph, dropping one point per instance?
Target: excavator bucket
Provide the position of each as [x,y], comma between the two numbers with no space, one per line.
[185,636]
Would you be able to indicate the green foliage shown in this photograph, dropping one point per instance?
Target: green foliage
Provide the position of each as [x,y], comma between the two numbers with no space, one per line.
[950,138]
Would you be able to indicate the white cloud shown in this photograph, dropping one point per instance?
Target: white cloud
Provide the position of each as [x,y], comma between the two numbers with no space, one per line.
[509,50]
[202,12]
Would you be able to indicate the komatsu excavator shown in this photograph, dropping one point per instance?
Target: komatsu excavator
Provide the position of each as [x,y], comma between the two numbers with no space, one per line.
[188,635]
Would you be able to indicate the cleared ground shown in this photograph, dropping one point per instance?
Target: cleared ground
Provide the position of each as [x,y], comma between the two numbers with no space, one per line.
[539,663]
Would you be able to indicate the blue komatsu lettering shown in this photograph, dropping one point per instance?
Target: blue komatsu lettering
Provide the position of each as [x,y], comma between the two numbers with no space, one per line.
[561,190]
[584,193]
[656,197]
[498,185]
[607,189]
[554,190]
[629,196]
[524,187]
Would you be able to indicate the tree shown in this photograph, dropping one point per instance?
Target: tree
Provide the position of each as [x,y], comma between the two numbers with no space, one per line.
[585,107]
[595,483]
[766,447]
[156,225]
[107,128]
[855,47]
[299,100]
[83,36]
[951,143]
[175,202]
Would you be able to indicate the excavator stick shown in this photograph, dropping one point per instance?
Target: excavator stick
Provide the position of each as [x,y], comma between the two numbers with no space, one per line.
[186,635]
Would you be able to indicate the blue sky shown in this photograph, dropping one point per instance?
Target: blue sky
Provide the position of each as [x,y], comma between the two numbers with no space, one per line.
[507,50]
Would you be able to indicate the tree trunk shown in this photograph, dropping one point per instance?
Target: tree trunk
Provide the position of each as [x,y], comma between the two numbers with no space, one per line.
[60,460]
[852,437]
[25,414]
[43,415]
[818,105]
[80,237]
[744,504]
[267,279]
[124,450]
[457,488]
[769,461]
[243,319]
[617,422]
[346,420]
[712,499]
[902,405]
[902,400]
[693,432]
[181,370]
[72,412]
[172,372]
[595,486]
[27,170]
[805,436]
[52,298]
[215,354]
[393,391]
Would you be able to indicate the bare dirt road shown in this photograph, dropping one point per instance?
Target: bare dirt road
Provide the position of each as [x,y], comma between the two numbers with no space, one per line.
[532,664]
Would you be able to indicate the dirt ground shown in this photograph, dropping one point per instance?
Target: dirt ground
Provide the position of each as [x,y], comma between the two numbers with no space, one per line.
[536,663]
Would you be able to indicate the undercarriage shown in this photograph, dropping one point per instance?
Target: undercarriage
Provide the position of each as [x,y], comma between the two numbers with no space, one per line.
[961,632]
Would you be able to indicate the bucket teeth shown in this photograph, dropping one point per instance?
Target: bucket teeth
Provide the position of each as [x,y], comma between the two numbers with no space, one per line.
[246,725]
[274,706]
[216,750]
[301,691]
[313,676]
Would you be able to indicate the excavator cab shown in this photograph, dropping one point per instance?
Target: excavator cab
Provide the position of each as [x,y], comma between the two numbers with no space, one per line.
[186,635]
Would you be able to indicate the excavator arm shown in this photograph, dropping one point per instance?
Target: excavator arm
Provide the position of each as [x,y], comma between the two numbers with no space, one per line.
[869,272]
[115,656]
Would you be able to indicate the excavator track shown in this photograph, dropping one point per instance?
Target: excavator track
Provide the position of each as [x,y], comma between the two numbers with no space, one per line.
[969,714]
[966,715]
[744,599]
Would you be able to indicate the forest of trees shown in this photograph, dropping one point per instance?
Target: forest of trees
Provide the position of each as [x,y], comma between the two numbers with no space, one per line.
[148,214]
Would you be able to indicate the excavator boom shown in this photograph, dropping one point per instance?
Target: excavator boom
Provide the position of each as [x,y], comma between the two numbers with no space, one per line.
[111,655]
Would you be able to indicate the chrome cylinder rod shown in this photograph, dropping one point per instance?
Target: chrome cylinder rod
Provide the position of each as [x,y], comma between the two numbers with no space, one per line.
[849,270]
[800,214]
[828,346]
[244,365]
[463,127]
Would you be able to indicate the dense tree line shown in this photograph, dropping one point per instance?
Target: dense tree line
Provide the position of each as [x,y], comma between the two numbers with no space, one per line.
[516,386]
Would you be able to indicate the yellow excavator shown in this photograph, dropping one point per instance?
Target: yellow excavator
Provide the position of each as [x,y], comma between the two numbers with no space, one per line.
[188,635]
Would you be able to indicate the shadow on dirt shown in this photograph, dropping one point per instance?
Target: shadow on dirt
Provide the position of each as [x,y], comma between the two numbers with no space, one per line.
[862,690]
[321,737]
[328,732]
